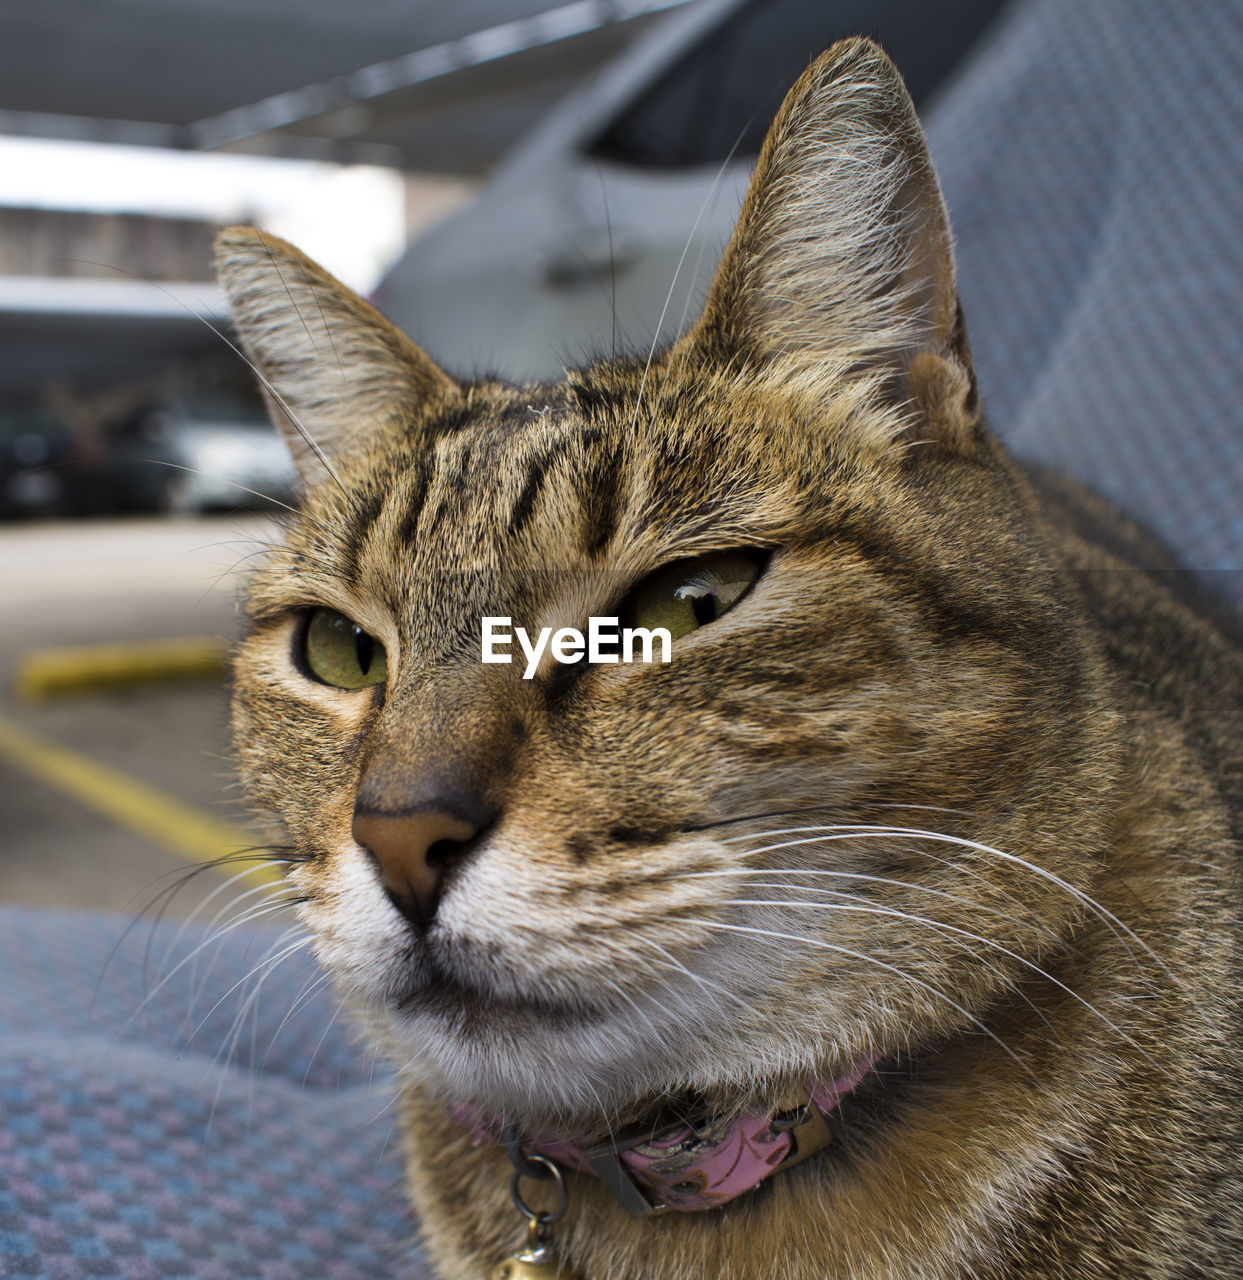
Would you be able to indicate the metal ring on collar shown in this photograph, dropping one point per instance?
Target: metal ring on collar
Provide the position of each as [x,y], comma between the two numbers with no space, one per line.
[515,1193]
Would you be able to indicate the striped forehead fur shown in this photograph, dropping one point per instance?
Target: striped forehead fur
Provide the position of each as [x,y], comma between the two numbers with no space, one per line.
[542,479]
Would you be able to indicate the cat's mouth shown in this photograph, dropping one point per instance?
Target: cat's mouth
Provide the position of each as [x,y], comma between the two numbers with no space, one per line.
[440,993]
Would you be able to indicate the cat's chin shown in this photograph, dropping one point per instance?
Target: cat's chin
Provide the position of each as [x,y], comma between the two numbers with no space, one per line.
[554,1069]
[552,1063]
[569,1075]
[553,1043]
[566,1067]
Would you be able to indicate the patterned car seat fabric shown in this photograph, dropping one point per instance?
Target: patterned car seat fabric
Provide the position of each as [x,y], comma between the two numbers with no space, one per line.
[175,1106]
[184,1102]
[1092,158]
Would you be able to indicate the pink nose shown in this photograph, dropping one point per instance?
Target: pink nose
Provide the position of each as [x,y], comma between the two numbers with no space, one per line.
[413,851]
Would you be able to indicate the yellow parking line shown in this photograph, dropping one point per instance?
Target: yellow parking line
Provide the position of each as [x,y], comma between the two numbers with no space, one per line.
[64,670]
[183,829]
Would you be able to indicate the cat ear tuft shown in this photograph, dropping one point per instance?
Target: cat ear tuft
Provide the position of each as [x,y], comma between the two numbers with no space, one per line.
[842,259]
[334,371]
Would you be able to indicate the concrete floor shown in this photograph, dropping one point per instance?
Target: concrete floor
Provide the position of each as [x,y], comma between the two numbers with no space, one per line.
[89,582]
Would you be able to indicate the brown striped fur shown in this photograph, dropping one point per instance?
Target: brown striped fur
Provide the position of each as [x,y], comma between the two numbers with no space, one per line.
[937,644]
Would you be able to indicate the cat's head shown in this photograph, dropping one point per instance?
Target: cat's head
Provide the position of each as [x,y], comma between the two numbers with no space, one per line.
[846,814]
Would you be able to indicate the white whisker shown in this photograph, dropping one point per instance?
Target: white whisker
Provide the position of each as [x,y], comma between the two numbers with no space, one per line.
[214,937]
[850,835]
[854,831]
[263,967]
[863,831]
[945,928]
[308,992]
[882,964]
[671,963]
[677,271]
[319,1044]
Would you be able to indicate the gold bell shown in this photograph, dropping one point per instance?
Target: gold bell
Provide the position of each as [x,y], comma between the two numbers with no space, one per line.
[536,1258]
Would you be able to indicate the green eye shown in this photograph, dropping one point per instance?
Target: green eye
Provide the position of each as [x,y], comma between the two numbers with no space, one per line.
[340,653]
[692,593]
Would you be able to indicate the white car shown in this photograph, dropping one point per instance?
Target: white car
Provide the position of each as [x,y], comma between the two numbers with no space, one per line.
[601,232]
[216,453]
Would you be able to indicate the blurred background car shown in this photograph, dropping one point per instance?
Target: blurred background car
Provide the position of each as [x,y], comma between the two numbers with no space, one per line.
[196,454]
[37,456]
[182,455]
[613,139]
[601,231]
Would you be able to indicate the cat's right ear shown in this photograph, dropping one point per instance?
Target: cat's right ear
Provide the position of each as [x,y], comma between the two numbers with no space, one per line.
[336,374]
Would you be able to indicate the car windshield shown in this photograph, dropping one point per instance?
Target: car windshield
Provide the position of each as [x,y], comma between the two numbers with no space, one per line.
[718,100]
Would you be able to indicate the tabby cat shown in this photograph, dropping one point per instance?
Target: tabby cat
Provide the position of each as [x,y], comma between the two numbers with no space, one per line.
[926,833]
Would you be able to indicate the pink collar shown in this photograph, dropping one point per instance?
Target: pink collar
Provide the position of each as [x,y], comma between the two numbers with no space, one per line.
[673,1165]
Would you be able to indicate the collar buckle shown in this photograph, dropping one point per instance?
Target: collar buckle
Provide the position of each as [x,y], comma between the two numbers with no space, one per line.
[606,1163]
[808,1130]
[805,1125]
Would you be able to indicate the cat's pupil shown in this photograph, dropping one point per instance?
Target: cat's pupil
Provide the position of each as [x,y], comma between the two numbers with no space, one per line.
[704,608]
[364,649]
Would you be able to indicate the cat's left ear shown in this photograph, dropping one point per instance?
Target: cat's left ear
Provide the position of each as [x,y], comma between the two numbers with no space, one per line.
[842,259]
[336,374]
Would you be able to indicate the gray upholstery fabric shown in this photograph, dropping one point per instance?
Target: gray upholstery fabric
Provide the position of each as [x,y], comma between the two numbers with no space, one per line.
[184,1103]
[1092,158]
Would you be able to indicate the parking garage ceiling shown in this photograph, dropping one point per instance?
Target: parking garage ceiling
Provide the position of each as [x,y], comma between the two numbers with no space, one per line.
[418,84]
[415,84]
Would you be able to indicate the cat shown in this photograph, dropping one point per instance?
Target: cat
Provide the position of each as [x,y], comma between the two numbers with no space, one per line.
[922,846]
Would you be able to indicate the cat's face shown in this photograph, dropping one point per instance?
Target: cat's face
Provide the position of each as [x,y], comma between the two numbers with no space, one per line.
[804,841]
